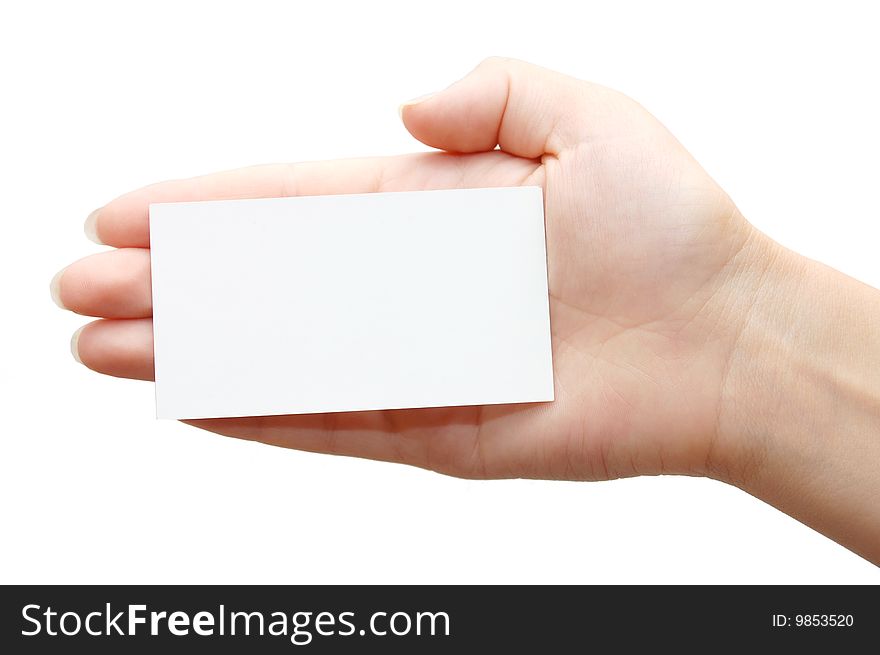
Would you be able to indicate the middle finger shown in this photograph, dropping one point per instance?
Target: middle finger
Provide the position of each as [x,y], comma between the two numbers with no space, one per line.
[114,284]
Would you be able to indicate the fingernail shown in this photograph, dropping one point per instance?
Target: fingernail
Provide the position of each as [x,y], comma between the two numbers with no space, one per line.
[91,227]
[74,344]
[55,288]
[414,101]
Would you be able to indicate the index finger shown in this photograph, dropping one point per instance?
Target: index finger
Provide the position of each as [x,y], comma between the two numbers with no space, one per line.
[125,221]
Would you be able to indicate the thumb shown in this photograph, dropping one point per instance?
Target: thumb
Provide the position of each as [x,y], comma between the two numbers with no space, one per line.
[527,110]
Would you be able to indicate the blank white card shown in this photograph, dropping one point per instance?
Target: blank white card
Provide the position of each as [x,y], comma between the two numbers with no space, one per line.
[350,302]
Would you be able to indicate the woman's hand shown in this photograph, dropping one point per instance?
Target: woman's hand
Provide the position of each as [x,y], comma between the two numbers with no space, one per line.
[684,341]
[645,252]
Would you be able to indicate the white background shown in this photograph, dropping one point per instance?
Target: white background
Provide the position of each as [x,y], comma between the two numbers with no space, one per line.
[779,101]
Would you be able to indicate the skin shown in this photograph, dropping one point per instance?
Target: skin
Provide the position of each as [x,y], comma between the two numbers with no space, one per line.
[684,340]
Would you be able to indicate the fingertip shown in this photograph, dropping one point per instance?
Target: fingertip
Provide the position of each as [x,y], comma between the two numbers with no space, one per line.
[55,288]
[405,112]
[91,227]
[121,348]
[113,284]
[463,117]
[74,344]
[415,101]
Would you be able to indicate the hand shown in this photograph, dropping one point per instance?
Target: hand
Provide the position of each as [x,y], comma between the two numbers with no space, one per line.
[646,255]
[684,341]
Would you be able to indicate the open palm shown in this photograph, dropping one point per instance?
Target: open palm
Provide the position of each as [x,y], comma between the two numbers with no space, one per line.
[644,259]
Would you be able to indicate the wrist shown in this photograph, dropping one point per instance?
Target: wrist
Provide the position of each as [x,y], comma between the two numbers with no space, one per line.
[799,413]
[765,297]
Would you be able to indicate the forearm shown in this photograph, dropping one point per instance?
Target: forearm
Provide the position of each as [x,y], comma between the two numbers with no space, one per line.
[802,398]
